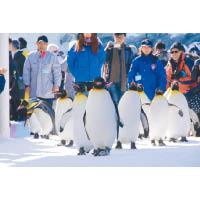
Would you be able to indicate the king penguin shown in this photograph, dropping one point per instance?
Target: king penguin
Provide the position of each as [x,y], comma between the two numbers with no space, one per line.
[63,118]
[44,114]
[81,139]
[129,111]
[179,125]
[101,118]
[158,118]
[144,127]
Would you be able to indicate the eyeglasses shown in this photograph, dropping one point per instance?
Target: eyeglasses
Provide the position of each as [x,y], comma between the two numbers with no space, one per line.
[172,52]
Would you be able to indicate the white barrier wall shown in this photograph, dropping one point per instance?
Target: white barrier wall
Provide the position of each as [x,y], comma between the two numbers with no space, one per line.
[4,96]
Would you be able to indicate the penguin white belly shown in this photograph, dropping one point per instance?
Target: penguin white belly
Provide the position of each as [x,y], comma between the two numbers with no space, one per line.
[34,124]
[45,121]
[180,101]
[175,121]
[62,105]
[101,119]
[129,111]
[67,133]
[79,133]
[158,118]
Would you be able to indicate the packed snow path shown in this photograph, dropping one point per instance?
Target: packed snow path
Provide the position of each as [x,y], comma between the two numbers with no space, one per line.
[21,150]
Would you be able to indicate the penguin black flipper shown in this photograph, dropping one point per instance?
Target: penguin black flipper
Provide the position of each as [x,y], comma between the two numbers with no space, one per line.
[119,123]
[65,118]
[180,112]
[84,122]
[145,122]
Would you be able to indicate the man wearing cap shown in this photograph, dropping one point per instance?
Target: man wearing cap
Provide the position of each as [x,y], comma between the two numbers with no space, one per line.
[119,57]
[42,72]
[148,70]
[178,69]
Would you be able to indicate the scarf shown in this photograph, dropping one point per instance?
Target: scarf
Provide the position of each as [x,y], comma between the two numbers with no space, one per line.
[115,68]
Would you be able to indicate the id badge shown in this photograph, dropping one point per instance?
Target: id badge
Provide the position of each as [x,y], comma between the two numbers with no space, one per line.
[138,77]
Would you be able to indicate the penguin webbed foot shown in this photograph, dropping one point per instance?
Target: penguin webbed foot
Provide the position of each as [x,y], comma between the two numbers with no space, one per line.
[172,140]
[119,145]
[153,142]
[161,143]
[71,142]
[81,151]
[133,145]
[36,136]
[101,152]
[62,143]
[46,137]
[183,139]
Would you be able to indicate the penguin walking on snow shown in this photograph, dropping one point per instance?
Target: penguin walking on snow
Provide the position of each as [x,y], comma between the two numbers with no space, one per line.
[158,118]
[101,118]
[179,125]
[63,119]
[81,139]
[129,111]
[43,114]
[144,126]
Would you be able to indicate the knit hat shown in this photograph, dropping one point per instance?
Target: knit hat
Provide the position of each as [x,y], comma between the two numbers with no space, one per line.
[147,42]
[177,45]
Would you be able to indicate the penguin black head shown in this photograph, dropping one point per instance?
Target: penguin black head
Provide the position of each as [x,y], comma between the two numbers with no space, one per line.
[98,83]
[133,86]
[175,86]
[140,88]
[62,94]
[159,92]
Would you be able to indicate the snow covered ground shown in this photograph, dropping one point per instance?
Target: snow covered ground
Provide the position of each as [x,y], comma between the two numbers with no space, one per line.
[23,151]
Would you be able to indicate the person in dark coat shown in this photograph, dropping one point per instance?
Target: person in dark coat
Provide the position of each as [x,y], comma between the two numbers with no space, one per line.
[13,86]
[119,57]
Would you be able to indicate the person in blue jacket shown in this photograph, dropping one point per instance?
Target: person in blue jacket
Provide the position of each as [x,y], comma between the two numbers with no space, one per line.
[85,60]
[2,79]
[148,70]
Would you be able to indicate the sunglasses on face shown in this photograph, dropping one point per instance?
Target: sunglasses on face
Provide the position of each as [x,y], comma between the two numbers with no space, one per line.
[172,52]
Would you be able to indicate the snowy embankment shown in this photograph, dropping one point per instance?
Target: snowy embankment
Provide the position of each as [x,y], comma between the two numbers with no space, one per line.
[23,151]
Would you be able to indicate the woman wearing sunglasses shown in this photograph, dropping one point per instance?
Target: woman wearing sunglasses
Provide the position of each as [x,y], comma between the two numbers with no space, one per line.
[179,69]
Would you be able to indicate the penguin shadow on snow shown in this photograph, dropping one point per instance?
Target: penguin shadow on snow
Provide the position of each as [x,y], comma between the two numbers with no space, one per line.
[18,151]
